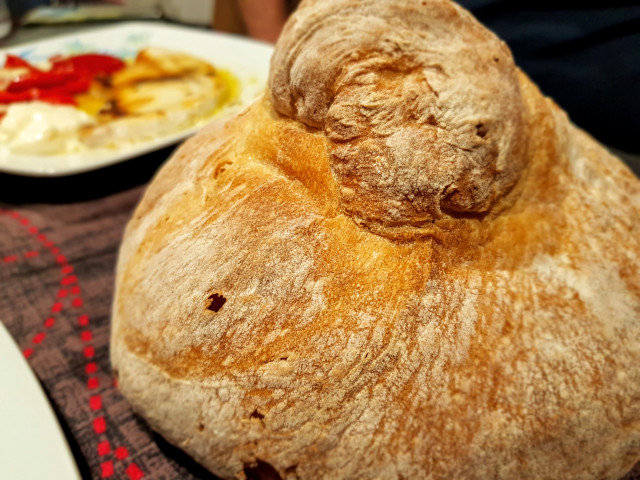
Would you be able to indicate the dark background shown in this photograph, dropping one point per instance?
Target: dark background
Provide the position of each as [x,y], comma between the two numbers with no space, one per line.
[585,55]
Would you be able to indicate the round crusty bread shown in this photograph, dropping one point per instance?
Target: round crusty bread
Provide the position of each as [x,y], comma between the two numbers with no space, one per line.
[403,262]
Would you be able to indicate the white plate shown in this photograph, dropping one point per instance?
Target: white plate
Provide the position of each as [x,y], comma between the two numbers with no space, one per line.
[246,59]
[32,445]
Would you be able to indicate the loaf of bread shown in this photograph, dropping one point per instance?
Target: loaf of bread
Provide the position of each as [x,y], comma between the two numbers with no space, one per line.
[403,262]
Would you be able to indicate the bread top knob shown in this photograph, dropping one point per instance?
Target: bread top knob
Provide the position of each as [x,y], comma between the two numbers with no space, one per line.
[424,118]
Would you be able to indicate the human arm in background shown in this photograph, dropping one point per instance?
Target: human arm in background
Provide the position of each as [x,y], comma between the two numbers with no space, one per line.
[264,19]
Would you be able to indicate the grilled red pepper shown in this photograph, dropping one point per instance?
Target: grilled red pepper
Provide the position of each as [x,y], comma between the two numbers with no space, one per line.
[40,80]
[16,62]
[67,76]
[7,97]
[79,84]
[92,63]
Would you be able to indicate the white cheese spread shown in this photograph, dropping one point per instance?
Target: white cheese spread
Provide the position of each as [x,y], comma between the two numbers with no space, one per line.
[38,128]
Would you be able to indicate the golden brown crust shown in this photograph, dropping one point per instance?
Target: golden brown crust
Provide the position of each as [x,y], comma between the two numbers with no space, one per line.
[504,345]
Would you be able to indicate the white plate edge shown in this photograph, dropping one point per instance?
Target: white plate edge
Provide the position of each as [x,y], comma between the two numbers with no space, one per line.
[66,467]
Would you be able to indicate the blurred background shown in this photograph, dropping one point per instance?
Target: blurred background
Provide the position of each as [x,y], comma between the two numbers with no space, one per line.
[586,55]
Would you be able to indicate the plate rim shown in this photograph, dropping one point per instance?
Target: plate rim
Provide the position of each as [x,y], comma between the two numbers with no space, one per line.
[66,464]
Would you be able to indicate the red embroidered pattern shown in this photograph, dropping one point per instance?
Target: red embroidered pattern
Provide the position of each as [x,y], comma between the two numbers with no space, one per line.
[71,290]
